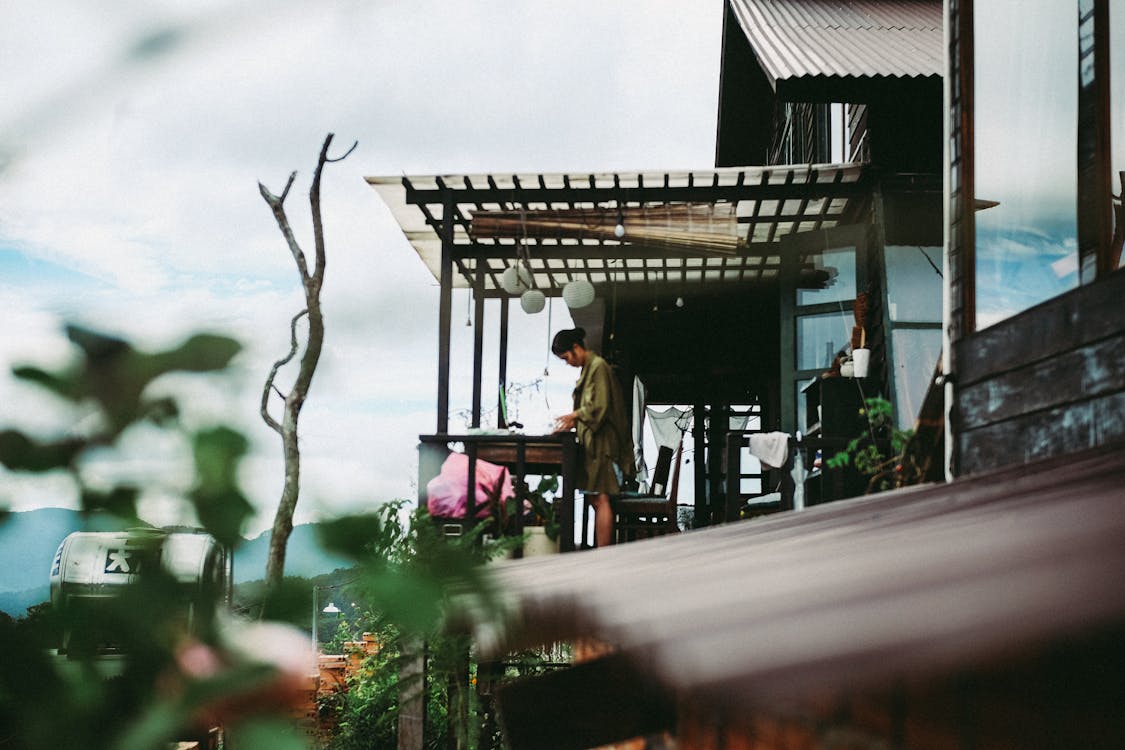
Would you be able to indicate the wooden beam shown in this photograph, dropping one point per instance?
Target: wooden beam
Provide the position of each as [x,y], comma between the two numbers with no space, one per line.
[692,193]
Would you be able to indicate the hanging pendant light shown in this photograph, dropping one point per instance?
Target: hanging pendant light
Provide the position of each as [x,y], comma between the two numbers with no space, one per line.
[516,279]
[532,301]
[578,293]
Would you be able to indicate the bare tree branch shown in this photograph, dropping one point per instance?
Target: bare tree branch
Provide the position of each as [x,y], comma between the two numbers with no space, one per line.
[277,205]
[314,343]
[314,205]
[346,154]
[269,386]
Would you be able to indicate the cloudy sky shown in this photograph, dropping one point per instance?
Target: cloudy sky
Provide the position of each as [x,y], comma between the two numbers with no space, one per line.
[133,136]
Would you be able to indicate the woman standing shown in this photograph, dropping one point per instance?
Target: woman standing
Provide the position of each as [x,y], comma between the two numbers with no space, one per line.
[604,439]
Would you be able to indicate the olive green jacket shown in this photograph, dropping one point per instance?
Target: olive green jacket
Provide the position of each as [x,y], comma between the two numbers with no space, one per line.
[603,428]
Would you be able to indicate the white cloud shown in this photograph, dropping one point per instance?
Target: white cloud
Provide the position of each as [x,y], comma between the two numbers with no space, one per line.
[130,198]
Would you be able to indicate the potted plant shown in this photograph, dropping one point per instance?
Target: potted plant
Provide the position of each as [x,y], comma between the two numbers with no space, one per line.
[540,520]
[877,454]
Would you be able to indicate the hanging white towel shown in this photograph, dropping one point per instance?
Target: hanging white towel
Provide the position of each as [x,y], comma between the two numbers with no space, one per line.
[640,406]
[771,448]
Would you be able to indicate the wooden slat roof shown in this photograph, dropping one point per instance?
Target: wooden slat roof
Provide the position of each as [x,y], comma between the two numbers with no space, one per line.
[848,595]
[770,202]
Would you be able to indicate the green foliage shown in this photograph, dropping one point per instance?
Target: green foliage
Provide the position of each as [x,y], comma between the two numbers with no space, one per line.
[120,684]
[219,503]
[877,453]
[410,583]
[542,506]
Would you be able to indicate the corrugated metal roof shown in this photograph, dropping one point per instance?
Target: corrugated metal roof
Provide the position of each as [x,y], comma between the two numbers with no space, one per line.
[768,202]
[849,595]
[797,39]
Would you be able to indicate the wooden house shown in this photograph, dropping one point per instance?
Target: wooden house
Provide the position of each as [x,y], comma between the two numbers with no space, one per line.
[981,610]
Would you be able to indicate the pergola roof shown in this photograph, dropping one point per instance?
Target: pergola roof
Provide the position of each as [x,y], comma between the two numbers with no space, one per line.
[801,42]
[767,203]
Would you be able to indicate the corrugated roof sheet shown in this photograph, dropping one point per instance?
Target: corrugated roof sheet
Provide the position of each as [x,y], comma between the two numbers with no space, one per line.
[848,595]
[796,39]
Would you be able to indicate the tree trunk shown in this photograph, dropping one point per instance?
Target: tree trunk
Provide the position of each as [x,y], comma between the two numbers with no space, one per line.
[294,401]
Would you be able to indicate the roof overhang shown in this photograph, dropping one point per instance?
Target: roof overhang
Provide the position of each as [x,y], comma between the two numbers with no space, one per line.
[826,50]
[764,204]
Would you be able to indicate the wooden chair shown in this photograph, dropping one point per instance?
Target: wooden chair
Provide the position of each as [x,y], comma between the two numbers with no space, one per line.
[639,516]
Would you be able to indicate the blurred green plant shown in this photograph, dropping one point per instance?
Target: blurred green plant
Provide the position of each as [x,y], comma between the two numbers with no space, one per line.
[412,585]
[139,695]
[877,453]
[167,681]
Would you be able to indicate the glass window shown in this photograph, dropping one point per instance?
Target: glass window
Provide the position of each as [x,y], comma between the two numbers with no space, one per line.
[835,269]
[820,337]
[1025,120]
[914,283]
[916,353]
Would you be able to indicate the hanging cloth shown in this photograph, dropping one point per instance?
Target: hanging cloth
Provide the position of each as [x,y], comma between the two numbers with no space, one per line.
[771,448]
[639,406]
[668,426]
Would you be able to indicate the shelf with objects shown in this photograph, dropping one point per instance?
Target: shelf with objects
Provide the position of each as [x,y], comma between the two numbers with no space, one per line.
[833,414]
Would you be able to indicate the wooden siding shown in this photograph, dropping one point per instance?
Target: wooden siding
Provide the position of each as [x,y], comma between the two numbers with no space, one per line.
[1047,382]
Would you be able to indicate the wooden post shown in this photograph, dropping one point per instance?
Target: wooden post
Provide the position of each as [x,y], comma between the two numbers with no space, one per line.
[502,376]
[478,341]
[1095,185]
[412,697]
[445,312]
[698,432]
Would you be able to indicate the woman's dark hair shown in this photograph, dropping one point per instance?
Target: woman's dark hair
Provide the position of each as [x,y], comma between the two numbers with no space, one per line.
[565,340]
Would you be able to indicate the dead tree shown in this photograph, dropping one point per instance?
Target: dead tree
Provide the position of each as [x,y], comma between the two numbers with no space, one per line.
[294,400]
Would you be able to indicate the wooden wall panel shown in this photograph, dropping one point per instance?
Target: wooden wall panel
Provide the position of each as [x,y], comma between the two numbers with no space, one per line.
[1047,382]
[1058,325]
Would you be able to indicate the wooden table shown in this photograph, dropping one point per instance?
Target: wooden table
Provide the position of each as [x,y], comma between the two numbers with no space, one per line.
[522,455]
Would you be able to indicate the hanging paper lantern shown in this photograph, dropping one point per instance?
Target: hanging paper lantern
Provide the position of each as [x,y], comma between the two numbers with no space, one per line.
[578,293]
[516,279]
[532,301]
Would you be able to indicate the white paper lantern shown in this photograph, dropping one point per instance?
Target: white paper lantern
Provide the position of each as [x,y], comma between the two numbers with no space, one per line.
[516,279]
[578,293]
[532,301]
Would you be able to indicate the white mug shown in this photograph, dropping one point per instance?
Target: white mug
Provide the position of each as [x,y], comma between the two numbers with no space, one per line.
[861,359]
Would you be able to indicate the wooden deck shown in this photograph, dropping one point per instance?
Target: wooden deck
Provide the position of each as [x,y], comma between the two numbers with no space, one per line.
[905,586]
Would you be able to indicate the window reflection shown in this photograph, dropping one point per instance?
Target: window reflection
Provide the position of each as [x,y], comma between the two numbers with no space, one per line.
[1025,123]
[916,354]
[914,283]
[820,337]
[835,270]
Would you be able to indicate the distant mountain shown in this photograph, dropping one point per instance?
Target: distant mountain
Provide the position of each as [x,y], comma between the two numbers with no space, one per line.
[303,556]
[28,542]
